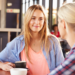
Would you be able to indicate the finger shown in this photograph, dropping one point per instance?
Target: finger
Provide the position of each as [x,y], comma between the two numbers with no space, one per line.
[11,64]
[8,68]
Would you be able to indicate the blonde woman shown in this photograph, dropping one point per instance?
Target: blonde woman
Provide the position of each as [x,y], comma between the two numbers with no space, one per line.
[41,51]
[66,25]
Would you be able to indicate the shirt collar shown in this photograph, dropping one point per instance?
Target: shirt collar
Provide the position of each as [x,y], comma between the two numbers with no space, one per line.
[22,37]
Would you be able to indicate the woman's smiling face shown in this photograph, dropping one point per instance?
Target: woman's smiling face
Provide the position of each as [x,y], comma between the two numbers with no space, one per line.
[37,21]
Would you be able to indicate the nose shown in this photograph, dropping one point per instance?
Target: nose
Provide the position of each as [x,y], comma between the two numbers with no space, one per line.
[36,21]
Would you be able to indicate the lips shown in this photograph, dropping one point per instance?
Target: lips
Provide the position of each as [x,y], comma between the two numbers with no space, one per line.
[36,26]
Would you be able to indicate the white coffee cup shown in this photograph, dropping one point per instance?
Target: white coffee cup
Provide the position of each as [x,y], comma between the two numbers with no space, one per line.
[18,71]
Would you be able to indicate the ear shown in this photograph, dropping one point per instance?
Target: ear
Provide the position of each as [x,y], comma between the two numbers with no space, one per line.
[64,24]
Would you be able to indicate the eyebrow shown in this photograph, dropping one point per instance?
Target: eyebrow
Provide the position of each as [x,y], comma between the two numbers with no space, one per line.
[35,16]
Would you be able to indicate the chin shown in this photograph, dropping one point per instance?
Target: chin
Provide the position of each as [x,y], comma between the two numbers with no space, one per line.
[36,31]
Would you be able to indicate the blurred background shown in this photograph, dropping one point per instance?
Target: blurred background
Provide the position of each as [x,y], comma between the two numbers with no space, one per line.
[12,14]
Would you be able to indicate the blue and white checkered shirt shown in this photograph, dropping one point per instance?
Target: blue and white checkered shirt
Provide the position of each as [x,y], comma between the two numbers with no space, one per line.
[67,67]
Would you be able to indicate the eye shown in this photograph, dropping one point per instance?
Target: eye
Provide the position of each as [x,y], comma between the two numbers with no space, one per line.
[33,18]
[40,18]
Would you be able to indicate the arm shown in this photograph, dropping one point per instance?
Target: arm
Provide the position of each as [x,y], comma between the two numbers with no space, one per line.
[67,67]
[10,52]
[57,51]
[8,56]
[59,58]
[4,57]
[4,54]
[56,56]
[6,66]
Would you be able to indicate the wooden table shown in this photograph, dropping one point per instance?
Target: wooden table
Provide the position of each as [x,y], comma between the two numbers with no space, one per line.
[4,72]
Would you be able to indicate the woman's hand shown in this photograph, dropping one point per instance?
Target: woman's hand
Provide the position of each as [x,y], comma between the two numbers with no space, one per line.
[7,66]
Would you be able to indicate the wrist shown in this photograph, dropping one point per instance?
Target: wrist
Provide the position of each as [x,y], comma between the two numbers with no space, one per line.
[1,65]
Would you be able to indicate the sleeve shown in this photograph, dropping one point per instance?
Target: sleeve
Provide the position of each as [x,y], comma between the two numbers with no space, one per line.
[4,54]
[56,55]
[59,58]
[66,68]
[9,52]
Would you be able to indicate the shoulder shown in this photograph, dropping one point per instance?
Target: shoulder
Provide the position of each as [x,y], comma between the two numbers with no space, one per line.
[53,39]
[16,41]
[20,37]
[54,42]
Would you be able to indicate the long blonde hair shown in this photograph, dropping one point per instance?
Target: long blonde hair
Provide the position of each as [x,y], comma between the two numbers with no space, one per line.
[43,33]
[67,12]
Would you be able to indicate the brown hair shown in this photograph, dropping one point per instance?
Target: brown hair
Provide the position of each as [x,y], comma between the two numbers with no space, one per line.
[43,33]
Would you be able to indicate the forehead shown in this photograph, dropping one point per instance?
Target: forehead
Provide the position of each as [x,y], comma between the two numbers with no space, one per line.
[38,13]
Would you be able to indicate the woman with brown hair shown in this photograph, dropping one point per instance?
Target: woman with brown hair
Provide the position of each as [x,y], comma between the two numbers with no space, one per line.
[35,45]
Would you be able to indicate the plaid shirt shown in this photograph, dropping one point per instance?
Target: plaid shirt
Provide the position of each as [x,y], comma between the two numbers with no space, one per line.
[67,67]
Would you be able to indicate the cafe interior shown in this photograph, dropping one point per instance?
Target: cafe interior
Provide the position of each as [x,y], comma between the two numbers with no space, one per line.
[12,14]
